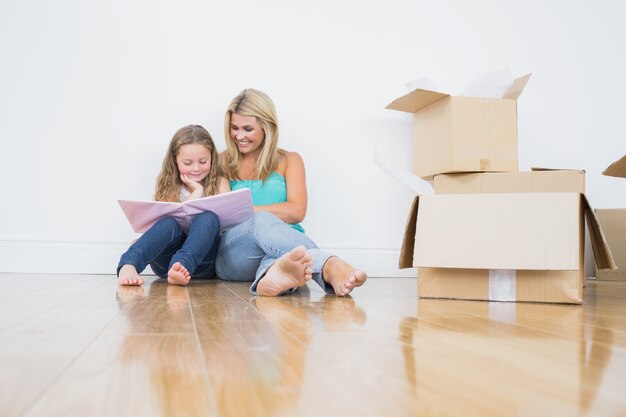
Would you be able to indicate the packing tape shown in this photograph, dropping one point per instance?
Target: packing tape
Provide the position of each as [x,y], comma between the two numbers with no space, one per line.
[502,312]
[502,284]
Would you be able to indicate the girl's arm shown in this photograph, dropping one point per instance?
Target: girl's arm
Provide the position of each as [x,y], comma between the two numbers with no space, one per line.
[294,209]
[196,189]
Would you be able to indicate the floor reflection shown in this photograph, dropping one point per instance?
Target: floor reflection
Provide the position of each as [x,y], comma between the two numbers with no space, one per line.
[517,358]
[255,361]
[257,364]
[167,364]
[340,313]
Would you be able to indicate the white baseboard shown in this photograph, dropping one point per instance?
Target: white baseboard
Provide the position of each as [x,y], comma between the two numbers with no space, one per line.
[87,257]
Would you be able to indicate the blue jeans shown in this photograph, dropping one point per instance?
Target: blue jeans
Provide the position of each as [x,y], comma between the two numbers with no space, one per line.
[249,249]
[165,243]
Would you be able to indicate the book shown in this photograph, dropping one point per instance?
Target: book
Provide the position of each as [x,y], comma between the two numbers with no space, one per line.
[232,208]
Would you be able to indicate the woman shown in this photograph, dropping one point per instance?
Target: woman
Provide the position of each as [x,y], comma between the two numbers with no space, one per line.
[271,249]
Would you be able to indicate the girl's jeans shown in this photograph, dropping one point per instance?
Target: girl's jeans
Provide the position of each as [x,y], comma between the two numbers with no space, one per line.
[248,250]
[165,243]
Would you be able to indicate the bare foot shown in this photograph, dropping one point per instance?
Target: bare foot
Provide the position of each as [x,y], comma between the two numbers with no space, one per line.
[342,276]
[291,270]
[128,275]
[178,274]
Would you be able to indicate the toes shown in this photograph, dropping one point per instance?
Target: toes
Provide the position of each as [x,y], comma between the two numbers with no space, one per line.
[297,253]
[130,281]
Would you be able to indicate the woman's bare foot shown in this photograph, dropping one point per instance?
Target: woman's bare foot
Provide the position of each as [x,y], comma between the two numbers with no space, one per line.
[342,276]
[291,270]
[128,275]
[178,274]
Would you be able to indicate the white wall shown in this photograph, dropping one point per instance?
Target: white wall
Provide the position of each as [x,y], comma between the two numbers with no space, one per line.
[91,93]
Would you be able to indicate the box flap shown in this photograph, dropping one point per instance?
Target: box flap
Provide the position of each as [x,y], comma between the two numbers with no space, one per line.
[557,169]
[408,242]
[601,251]
[416,100]
[617,168]
[535,231]
[613,224]
[517,87]
[544,180]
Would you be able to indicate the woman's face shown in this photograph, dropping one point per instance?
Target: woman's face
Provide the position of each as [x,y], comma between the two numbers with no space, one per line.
[247,133]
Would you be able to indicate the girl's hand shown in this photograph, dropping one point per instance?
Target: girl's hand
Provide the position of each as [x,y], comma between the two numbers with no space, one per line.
[195,188]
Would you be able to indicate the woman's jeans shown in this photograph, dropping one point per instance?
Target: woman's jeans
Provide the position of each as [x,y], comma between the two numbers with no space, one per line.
[165,243]
[248,250]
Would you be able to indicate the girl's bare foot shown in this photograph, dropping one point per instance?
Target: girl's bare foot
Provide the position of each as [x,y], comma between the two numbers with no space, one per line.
[291,270]
[342,276]
[178,274]
[128,275]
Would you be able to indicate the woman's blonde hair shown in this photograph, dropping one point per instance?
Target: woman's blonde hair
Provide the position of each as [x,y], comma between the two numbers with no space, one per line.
[169,184]
[255,103]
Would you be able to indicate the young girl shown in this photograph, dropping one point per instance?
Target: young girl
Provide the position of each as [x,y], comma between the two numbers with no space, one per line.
[190,170]
[271,249]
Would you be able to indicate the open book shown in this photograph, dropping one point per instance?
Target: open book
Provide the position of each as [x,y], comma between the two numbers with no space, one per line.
[232,208]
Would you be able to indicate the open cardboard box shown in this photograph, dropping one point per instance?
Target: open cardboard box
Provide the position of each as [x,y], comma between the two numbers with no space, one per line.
[460,134]
[502,247]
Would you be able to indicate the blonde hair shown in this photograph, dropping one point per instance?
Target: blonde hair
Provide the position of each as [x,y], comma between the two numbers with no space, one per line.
[255,103]
[169,184]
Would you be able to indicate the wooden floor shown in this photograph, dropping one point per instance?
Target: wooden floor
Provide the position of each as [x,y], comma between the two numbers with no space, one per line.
[81,346]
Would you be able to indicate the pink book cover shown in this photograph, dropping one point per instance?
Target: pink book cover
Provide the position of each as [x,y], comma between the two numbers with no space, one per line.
[232,208]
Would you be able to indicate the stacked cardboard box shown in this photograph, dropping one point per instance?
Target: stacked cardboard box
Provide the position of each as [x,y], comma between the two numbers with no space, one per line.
[613,222]
[462,134]
[489,235]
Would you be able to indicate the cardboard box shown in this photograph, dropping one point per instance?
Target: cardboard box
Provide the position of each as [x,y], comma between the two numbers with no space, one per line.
[617,168]
[613,223]
[540,180]
[461,134]
[502,247]
[473,283]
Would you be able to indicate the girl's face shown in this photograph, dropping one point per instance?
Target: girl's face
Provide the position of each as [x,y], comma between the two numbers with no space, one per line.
[194,160]
[247,133]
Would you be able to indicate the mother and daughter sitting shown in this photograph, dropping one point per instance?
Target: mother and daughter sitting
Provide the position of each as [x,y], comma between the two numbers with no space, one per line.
[271,249]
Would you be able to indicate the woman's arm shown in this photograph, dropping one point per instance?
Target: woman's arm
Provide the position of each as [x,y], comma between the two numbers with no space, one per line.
[224,186]
[294,209]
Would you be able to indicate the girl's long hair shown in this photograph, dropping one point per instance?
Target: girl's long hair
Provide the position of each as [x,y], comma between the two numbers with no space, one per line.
[168,184]
[251,102]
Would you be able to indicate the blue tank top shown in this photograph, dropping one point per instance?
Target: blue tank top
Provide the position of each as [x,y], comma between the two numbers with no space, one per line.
[273,191]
